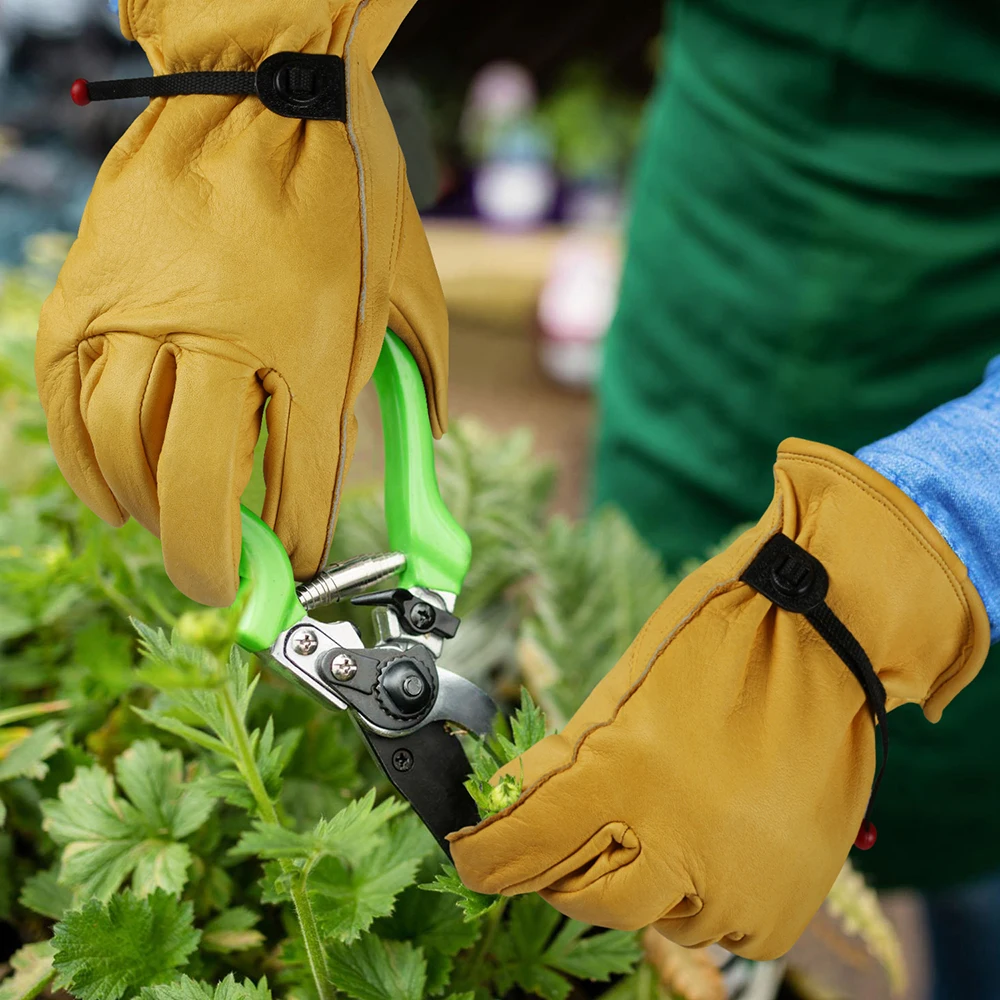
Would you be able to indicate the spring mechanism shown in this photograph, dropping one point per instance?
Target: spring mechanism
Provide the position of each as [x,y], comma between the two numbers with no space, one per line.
[336,583]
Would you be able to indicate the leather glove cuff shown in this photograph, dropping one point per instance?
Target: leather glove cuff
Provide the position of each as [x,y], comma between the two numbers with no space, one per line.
[234,35]
[905,594]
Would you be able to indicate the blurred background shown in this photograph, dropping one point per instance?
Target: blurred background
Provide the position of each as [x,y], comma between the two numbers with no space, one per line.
[518,144]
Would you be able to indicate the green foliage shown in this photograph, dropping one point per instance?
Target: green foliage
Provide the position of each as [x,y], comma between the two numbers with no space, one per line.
[488,755]
[106,838]
[198,830]
[375,969]
[32,972]
[473,904]
[108,950]
[186,988]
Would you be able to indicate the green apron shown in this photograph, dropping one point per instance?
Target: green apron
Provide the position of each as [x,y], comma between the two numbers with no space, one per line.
[815,251]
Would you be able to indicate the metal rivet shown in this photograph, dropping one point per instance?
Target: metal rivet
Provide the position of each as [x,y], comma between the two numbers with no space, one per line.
[402,760]
[305,642]
[414,686]
[343,667]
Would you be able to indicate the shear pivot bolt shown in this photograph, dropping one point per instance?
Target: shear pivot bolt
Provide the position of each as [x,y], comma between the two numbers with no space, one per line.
[402,760]
[422,616]
[414,686]
[343,667]
[305,643]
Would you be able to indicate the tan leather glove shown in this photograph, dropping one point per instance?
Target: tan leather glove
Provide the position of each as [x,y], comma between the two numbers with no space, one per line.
[228,255]
[713,782]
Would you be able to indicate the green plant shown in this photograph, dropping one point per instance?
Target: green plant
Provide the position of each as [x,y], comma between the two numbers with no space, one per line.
[184,826]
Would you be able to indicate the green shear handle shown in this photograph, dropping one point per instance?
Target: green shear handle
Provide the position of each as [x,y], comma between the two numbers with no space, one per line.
[420,526]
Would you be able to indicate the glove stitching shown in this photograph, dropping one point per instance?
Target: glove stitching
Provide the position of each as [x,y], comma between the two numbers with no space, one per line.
[716,589]
[886,504]
[360,159]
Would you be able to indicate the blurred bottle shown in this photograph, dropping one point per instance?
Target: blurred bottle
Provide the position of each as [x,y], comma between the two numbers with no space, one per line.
[577,304]
[514,184]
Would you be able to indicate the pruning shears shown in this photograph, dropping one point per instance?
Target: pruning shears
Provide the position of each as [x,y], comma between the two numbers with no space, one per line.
[407,709]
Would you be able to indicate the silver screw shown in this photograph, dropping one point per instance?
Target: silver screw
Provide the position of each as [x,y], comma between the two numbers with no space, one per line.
[413,686]
[343,667]
[306,642]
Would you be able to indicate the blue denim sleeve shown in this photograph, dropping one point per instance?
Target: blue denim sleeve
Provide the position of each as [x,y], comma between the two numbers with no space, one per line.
[948,463]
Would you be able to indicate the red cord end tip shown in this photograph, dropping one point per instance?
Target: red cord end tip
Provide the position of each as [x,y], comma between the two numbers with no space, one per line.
[80,92]
[867,835]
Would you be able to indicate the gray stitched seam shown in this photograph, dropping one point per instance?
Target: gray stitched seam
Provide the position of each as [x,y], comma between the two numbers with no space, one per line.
[355,146]
[335,508]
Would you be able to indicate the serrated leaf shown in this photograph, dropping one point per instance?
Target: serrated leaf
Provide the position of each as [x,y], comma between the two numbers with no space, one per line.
[435,924]
[26,757]
[104,950]
[473,904]
[186,988]
[106,838]
[347,898]
[44,894]
[596,956]
[519,952]
[232,930]
[527,725]
[152,779]
[373,969]
[31,971]
[349,835]
[171,725]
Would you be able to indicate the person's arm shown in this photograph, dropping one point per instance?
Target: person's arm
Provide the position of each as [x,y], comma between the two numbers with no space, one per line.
[948,462]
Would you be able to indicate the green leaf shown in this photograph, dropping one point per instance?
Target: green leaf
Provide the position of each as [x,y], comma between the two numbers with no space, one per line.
[373,969]
[26,758]
[186,988]
[596,956]
[349,835]
[347,898]
[473,904]
[435,924]
[487,755]
[32,970]
[527,725]
[106,838]
[232,930]
[43,893]
[520,950]
[171,725]
[105,950]
[153,781]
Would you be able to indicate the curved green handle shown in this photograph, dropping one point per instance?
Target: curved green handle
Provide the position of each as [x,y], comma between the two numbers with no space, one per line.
[437,550]
[266,585]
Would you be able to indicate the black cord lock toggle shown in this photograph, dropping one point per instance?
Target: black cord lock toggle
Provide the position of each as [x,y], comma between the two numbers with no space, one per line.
[795,580]
[291,84]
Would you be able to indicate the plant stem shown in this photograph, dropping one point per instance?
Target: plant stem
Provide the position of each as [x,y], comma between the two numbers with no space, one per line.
[10,715]
[247,765]
[118,599]
[475,964]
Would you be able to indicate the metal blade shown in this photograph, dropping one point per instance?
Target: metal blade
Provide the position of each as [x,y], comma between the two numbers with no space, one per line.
[428,767]
[462,702]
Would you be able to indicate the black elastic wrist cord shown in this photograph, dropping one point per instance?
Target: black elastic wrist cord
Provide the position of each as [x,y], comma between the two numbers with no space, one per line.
[291,84]
[797,581]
